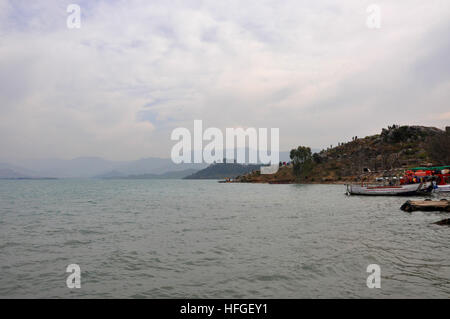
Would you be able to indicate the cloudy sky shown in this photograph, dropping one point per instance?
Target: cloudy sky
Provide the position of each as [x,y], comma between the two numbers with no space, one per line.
[136,70]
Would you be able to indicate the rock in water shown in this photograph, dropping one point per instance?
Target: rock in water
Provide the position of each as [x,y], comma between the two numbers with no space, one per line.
[426,205]
[444,222]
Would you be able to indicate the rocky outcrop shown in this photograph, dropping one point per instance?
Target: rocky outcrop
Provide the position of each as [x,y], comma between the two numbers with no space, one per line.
[426,205]
[386,154]
[444,222]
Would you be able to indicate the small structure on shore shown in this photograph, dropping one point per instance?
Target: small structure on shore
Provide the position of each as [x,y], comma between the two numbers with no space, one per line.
[426,205]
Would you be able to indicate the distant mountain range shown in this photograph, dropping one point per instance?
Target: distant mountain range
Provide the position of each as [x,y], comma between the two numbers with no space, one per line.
[168,175]
[86,167]
[7,169]
[9,173]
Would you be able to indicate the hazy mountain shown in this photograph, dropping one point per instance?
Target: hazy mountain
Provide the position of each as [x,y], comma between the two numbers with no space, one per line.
[9,173]
[18,170]
[178,174]
[154,165]
[78,167]
[94,167]
[168,175]
[98,167]
[111,174]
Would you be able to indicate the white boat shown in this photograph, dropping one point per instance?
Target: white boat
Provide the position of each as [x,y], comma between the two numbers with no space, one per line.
[443,188]
[408,189]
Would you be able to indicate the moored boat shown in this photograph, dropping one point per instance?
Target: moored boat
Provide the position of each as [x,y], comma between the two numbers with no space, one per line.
[390,190]
[418,180]
[443,188]
[440,175]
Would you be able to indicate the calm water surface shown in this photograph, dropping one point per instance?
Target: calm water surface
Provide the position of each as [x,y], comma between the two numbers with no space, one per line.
[202,239]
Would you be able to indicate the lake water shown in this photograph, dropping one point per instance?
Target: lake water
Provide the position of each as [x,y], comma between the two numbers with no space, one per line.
[202,239]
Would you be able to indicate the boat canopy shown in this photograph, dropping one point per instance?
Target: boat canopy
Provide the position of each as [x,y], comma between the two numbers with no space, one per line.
[434,168]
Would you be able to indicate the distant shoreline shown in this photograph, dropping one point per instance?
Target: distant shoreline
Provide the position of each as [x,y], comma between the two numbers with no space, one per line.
[28,178]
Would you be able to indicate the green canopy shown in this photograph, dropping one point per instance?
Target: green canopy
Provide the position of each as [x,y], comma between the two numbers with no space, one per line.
[434,168]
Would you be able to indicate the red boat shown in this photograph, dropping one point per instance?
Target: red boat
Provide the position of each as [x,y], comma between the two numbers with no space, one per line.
[439,174]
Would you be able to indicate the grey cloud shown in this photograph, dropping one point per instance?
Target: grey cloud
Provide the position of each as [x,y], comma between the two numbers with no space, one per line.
[137,69]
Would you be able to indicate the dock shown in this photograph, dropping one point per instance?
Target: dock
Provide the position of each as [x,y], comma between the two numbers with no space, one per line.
[426,205]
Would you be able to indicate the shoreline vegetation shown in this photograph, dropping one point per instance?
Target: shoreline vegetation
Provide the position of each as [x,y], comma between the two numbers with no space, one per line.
[389,153]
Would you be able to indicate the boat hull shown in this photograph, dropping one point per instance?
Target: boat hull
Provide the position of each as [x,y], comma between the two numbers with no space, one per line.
[401,190]
[443,188]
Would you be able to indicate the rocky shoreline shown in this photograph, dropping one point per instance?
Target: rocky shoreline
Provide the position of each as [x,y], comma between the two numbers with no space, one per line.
[387,154]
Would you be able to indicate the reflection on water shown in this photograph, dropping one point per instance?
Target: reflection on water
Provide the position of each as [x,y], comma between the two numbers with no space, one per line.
[168,238]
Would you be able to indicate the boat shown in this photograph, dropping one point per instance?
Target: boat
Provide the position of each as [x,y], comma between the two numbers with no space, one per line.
[388,190]
[226,180]
[417,180]
[442,188]
[440,175]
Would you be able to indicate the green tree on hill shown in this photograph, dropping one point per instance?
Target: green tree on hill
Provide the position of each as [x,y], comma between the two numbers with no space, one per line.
[300,156]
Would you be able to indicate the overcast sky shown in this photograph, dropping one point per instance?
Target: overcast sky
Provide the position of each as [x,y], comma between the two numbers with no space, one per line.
[135,70]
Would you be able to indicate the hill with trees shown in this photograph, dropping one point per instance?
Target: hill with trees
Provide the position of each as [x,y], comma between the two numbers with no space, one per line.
[394,149]
[224,170]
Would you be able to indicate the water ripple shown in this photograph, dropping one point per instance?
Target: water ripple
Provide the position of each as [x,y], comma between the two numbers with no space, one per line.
[202,239]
